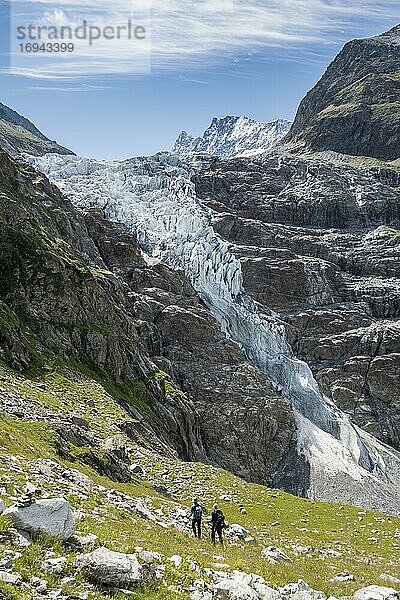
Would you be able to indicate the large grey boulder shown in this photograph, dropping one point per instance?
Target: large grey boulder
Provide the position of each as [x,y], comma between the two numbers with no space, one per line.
[231,589]
[236,532]
[2,507]
[112,569]
[53,518]
[376,592]
[243,586]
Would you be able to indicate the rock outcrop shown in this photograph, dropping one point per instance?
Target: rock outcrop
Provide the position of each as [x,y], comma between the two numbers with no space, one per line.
[376,592]
[57,293]
[174,328]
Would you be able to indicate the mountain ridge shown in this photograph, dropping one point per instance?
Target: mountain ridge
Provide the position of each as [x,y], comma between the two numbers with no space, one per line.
[18,134]
[231,136]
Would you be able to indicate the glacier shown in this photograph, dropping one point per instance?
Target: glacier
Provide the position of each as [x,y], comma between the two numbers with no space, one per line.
[156,198]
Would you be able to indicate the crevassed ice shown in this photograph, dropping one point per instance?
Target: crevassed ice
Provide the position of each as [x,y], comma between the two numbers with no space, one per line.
[156,198]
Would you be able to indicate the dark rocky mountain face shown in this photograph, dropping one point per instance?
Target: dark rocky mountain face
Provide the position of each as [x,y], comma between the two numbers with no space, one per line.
[355,107]
[18,134]
[76,290]
[266,243]
[60,305]
[319,242]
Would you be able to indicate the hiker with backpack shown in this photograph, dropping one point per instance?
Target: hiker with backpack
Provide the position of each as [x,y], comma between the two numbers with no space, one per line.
[217,524]
[197,514]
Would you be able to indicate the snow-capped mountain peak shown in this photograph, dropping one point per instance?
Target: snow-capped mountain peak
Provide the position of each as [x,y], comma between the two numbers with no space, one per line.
[231,136]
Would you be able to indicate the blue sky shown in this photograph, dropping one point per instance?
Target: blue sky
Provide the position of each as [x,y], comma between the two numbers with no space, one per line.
[206,58]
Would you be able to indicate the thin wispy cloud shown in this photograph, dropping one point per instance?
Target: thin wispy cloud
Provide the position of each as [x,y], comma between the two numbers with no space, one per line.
[72,88]
[183,34]
[191,80]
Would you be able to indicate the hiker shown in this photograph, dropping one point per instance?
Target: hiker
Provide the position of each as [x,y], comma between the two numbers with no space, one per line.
[217,524]
[197,514]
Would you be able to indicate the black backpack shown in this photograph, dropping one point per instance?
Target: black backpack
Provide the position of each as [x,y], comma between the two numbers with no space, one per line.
[220,519]
[197,512]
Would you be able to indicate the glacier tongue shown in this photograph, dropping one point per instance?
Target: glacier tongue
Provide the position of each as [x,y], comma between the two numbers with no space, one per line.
[156,198]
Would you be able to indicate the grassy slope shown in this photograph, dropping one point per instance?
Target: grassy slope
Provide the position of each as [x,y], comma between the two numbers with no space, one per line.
[300,522]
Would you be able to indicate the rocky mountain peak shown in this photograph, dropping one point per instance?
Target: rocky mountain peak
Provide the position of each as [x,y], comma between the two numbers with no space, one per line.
[389,37]
[354,108]
[232,135]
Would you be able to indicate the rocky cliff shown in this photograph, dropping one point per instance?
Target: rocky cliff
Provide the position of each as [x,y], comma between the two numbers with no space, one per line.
[173,206]
[60,304]
[318,241]
[355,107]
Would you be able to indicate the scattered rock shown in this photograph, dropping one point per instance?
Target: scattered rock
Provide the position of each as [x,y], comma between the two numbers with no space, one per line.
[303,549]
[163,490]
[52,518]
[294,588]
[11,578]
[79,421]
[136,469]
[329,553]
[143,511]
[200,591]
[40,585]
[18,538]
[152,569]
[274,555]
[243,586]
[85,542]
[236,532]
[6,563]
[231,589]
[342,577]
[375,592]
[177,560]
[55,566]
[2,507]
